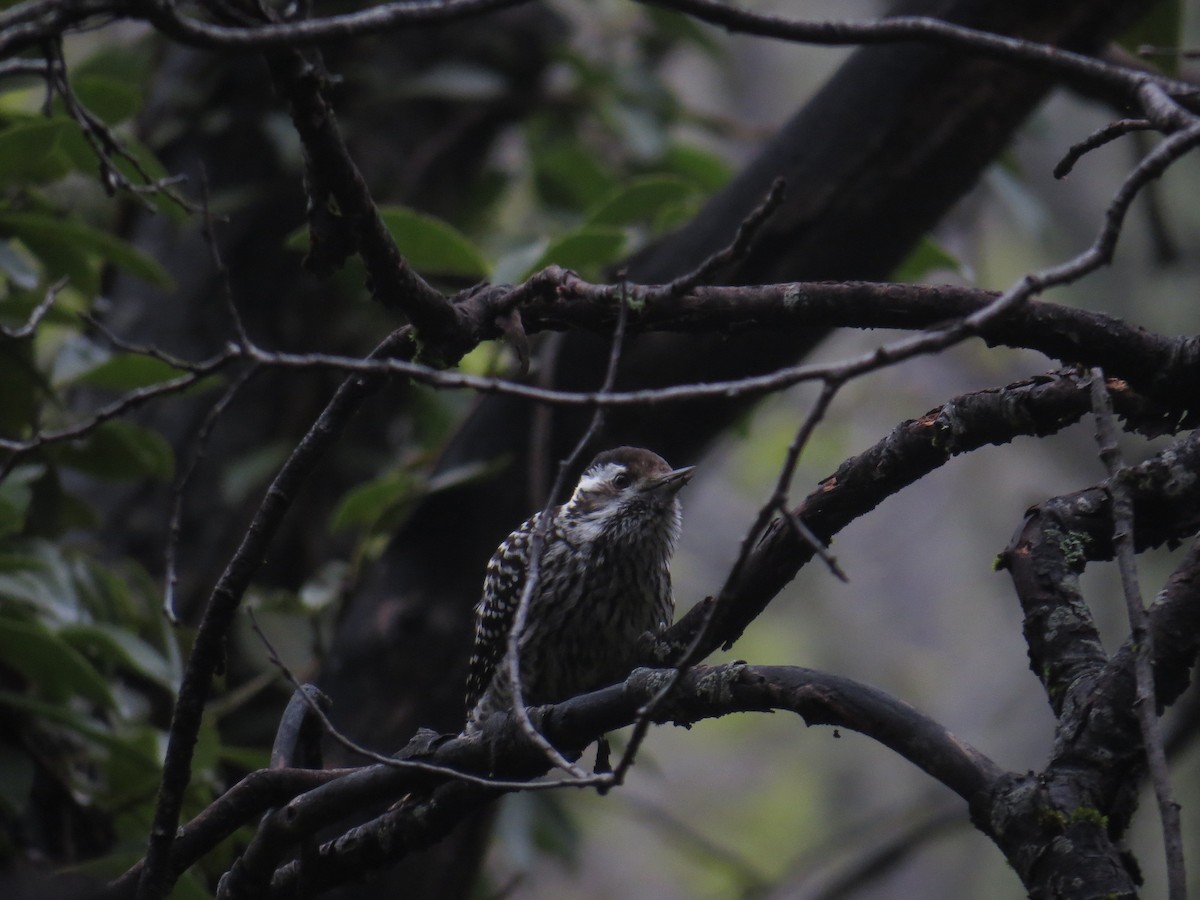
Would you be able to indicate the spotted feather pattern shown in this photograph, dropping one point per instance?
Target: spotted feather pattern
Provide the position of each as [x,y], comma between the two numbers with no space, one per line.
[604,581]
[493,620]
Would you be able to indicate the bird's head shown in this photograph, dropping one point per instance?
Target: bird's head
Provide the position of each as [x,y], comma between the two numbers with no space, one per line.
[628,484]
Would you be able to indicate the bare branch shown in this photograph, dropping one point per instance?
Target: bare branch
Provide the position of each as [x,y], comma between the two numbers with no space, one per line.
[165,16]
[335,178]
[106,145]
[194,373]
[37,314]
[1141,635]
[198,446]
[921,28]
[34,22]
[703,692]
[1037,407]
[223,603]
[1099,138]
[253,795]
[705,273]
[1058,538]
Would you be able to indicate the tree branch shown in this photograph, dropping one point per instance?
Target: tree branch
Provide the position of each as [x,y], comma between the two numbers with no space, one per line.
[208,647]
[702,693]
[895,29]
[1037,407]
[1141,636]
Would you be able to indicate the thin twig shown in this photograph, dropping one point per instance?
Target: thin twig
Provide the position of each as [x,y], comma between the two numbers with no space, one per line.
[1096,255]
[199,445]
[38,313]
[1141,635]
[200,442]
[691,654]
[1099,138]
[42,68]
[208,647]
[152,351]
[386,17]
[896,29]
[537,544]
[779,499]
[737,249]
[541,433]
[390,16]
[208,232]
[106,145]
[645,715]
[132,400]
[358,749]
[1148,50]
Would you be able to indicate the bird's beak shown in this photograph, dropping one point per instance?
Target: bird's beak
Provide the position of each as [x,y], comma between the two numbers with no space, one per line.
[672,482]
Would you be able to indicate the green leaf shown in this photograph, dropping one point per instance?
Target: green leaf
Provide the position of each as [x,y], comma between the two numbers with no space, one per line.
[325,588]
[516,265]
[76,357]
[119,451]
[50,237]
[128,62]
[675,26]
[129,371]
[433,246]
[248,758]
[16,781]
[385,497]
[31,152]
[12,511]
[18,269]
[121,649]
[585,251]
[568,175]
[708,170]
[85,726]
[51,666]
[16,491]
[111,99]
[642,200]
[1161,27]
[929,256]
[251,470]
[362,506]
[20,400]
[37,576]
[84,157]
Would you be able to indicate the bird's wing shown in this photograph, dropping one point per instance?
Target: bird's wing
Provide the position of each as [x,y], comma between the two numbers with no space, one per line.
[497,608]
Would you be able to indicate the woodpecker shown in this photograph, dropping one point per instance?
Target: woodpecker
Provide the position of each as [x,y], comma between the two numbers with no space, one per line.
[604,581]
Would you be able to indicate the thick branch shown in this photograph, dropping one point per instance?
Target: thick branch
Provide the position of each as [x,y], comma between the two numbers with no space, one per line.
[1062,534]
[1038,407]
[556,299]
[1175,623]
[703,693]
[335,181]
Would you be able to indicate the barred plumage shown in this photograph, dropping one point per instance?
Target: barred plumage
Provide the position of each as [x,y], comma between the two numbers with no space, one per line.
[604,580]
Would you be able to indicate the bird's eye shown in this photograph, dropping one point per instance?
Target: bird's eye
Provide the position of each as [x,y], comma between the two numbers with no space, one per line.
[622,480]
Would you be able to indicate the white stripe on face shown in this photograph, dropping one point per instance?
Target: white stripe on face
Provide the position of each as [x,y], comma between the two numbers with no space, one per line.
[594,481]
